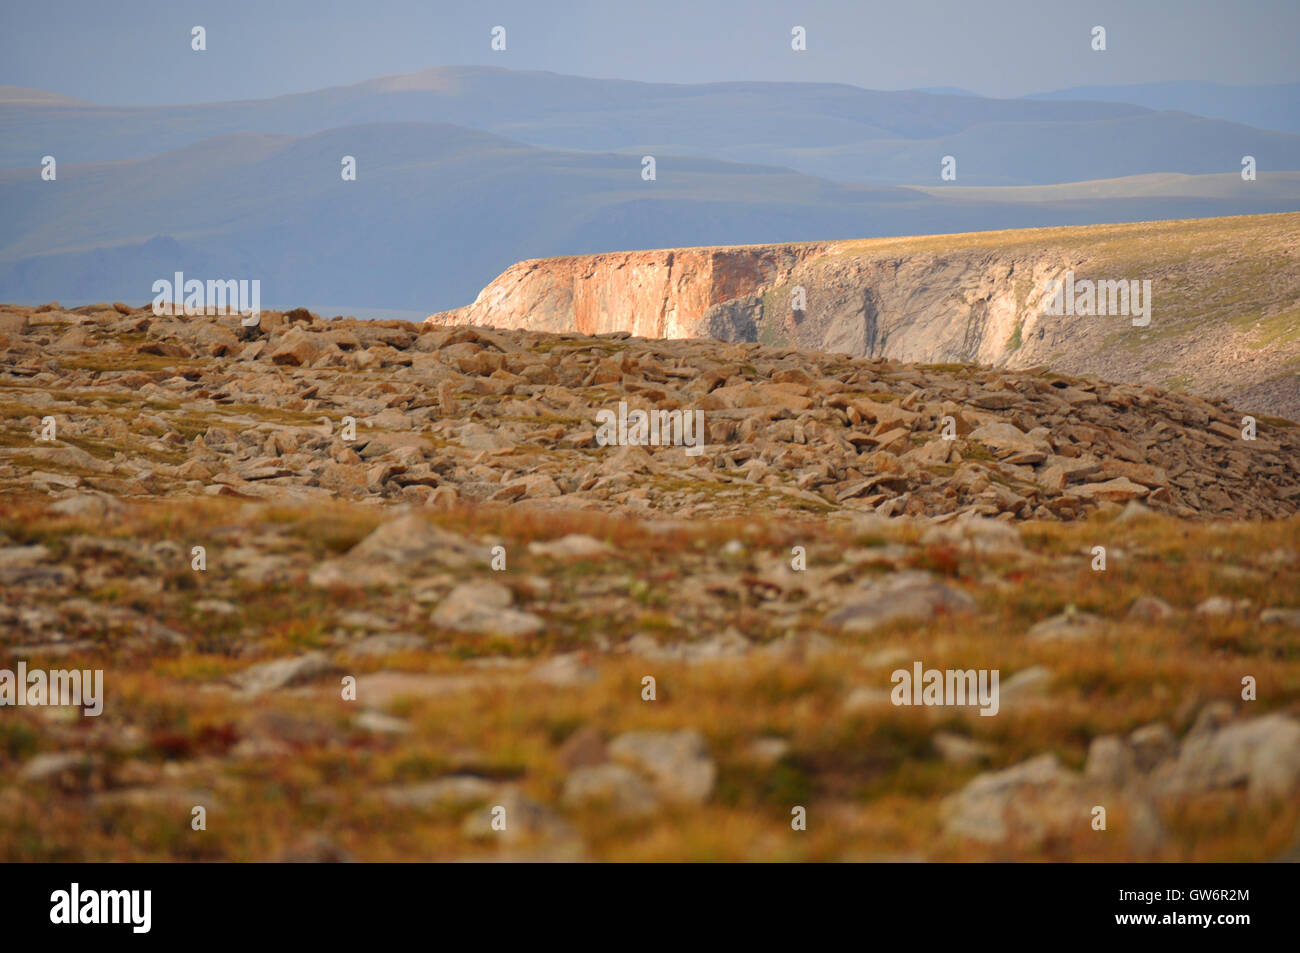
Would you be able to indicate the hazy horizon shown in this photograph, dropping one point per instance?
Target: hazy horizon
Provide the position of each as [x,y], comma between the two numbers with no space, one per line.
[1002,49]
[273,163]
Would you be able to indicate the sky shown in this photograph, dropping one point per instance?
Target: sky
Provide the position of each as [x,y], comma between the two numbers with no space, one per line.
[137,52]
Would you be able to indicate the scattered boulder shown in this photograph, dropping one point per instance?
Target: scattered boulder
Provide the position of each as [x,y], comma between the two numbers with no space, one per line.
[1281,616]
[1110,762]
[1150,609]
[1030,800]
[283,673]
[677,763]
[451,791]
[615,786]
[88,504]
[485,607]
[1261,754]
[413,539]
[1070,625]
[572,546]
[1223,606]
[298,348]
[912,594]
[1118,490]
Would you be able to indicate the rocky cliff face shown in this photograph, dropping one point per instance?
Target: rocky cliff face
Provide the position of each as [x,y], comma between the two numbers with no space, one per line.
[963,298]
[925,308]
[652,294]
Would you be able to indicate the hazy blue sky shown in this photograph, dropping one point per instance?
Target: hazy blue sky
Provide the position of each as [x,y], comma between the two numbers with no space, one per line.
[138,51]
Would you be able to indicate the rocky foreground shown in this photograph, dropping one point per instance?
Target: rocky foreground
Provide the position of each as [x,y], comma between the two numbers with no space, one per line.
[469,631]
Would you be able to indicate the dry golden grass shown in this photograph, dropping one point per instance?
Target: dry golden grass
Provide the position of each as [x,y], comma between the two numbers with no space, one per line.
[872,781]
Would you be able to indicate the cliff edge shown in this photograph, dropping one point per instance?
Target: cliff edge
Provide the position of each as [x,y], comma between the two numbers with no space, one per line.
[1222,318]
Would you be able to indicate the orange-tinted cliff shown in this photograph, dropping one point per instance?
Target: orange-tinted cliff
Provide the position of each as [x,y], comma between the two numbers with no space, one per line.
[978,297]
[654,294]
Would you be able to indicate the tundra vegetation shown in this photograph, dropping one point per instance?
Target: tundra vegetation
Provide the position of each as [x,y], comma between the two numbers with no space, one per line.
[358,641]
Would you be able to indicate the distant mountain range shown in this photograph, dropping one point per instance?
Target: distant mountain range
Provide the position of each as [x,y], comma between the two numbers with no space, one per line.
[1275,106]
[836,131]
[463,170]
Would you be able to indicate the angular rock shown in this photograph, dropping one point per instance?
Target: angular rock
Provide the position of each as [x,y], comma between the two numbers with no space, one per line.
[911,594]
[451,791]
[1150,609]
[485,607]
[1119,490]
[282,673]
[677,763]
[1280,615]
[1262,754]
[610,785]
[572,546]
[1069,625]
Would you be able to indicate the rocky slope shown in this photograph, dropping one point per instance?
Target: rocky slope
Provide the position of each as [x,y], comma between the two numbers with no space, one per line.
[146,405]
[1224,319]
[366,645]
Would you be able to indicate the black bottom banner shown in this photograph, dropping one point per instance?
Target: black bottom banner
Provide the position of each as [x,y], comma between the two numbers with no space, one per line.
[139,903]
